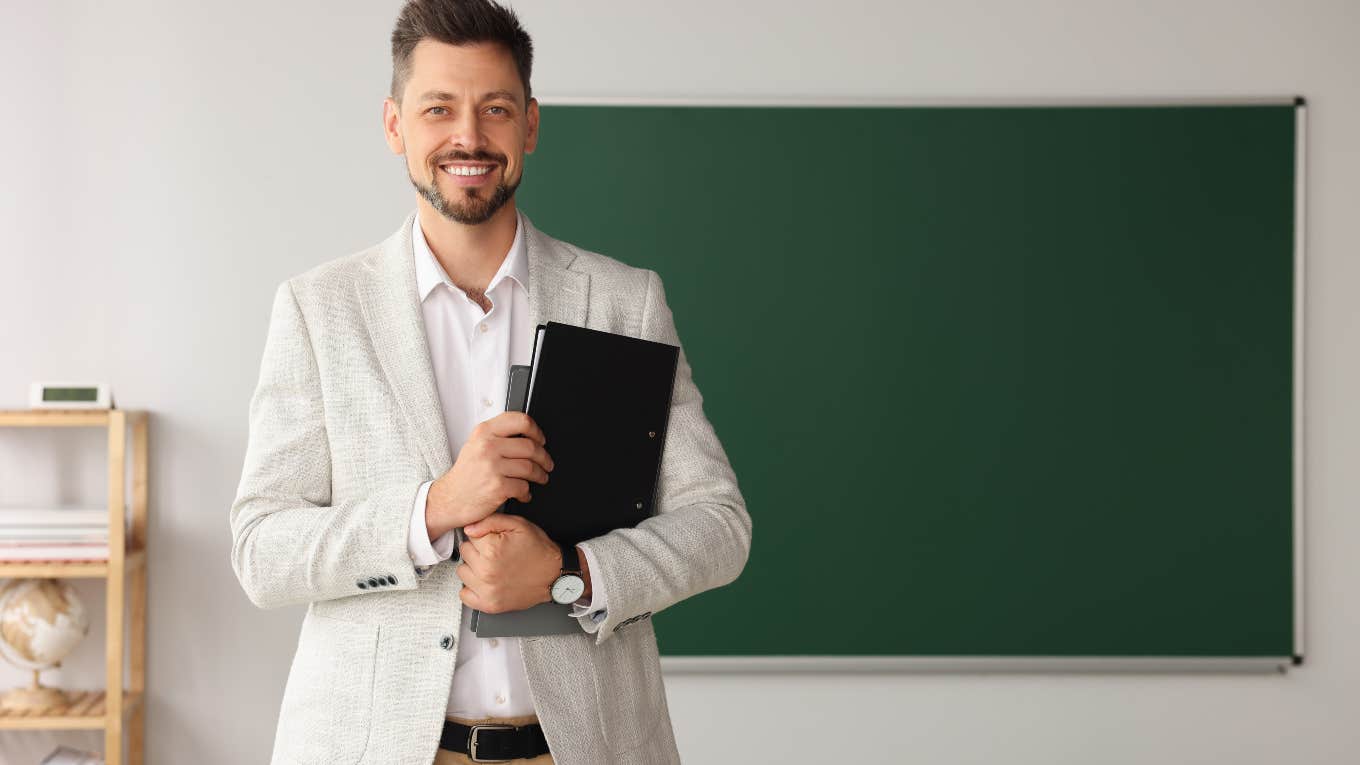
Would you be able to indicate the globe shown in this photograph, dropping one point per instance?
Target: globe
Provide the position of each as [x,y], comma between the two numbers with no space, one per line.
[41,622]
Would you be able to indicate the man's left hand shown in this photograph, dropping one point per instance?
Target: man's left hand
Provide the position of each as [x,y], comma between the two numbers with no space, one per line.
[509,564]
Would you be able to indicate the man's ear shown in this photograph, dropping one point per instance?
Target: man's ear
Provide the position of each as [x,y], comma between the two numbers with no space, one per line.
[392,126]
[531,140]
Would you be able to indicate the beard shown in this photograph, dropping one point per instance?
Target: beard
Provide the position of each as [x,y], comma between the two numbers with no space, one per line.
[469,207]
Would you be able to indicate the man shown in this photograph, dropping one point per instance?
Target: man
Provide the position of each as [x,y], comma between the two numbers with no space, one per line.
[382,366]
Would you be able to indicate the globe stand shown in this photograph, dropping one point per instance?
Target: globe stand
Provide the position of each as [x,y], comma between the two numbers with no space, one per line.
[34,699]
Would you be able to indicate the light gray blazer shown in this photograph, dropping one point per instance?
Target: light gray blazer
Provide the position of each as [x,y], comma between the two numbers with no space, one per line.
[345,424]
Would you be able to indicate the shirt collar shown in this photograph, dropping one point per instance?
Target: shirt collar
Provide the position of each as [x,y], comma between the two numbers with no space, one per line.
[429,273]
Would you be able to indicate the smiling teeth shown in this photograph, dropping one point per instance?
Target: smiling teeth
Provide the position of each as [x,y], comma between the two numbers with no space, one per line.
[461,170]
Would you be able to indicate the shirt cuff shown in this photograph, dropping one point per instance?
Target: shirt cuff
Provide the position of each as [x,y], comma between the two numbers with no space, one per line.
[595,609]
[422,552]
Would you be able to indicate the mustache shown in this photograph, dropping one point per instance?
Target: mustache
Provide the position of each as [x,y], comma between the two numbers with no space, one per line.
[463,156]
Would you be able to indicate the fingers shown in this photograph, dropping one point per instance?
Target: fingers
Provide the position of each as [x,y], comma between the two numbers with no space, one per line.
[500,460]
[470,593]
[525,449]
[478,591]
[496,522]
[471,599]
[515,488]
[468,576]
[471,557]
[525,469]
[507,424]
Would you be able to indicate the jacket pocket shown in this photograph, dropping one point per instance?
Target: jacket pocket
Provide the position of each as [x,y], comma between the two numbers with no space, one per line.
[628,686]
[324,717]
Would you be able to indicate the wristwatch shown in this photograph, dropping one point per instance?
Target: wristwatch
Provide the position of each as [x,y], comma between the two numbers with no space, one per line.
[570,585]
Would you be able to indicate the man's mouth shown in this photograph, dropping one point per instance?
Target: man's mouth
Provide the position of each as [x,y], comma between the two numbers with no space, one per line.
[466,170]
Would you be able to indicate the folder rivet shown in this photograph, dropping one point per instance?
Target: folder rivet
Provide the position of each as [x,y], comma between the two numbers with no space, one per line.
[651,434]
[639,505]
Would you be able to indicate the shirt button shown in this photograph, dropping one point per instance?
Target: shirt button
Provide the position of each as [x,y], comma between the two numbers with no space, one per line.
[486,402]
[494,642]
[446,642]
[500,698]
[483,327]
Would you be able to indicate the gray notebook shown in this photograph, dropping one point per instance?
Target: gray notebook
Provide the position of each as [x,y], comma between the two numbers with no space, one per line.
[542,619]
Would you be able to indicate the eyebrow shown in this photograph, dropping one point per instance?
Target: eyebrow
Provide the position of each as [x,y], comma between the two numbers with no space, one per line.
[441,95]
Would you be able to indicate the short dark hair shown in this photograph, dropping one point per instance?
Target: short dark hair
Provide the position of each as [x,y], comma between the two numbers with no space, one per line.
[458,22]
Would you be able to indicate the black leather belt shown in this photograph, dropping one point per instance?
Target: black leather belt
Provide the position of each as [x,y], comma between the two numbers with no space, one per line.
[489,742]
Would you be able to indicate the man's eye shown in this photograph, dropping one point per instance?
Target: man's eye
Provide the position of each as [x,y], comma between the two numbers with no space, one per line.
[436,110]
[498,110]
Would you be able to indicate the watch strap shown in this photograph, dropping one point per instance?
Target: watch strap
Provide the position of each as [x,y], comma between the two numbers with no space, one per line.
[571,561]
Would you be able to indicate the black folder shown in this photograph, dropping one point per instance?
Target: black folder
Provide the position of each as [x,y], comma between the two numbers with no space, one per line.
[603,403]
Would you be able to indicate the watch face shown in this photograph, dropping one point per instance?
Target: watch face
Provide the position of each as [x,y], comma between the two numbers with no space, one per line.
[568,588]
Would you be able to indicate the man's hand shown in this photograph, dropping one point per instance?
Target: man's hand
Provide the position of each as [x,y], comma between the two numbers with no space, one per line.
[494,465]
[508,564]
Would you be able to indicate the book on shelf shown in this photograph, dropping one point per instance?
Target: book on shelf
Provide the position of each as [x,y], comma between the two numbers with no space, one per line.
[54,514]
[65,533]
[35,551]
[70,518]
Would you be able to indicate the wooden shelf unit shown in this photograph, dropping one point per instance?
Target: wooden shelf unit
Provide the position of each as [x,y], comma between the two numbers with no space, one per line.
[120,715]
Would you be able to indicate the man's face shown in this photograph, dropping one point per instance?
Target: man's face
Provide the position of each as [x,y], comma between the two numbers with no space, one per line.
[464,128]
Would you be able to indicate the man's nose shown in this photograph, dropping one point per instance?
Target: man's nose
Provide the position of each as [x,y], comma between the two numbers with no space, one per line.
[466,131]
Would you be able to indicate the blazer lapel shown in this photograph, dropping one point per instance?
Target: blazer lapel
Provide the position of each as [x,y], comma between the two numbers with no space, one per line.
[392,311]
[555,293]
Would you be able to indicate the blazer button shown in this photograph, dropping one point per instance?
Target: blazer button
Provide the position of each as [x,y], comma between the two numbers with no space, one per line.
[372,582]
[362,585]
[391,579]
[446,642]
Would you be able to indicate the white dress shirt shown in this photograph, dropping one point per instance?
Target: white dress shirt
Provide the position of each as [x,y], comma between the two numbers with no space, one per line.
[471,353]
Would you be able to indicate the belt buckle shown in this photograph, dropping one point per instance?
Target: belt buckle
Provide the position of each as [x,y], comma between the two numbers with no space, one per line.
[472,740]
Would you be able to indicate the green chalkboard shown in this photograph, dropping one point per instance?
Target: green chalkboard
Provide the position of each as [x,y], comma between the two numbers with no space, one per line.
[1002,381]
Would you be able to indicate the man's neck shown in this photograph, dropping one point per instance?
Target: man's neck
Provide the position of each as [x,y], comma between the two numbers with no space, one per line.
[470,255]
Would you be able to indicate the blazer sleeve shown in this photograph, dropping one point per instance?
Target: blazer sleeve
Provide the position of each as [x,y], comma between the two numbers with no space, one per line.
[290,544]
[700,536]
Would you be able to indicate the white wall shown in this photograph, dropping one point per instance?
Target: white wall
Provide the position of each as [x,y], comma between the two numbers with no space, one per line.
[163,165]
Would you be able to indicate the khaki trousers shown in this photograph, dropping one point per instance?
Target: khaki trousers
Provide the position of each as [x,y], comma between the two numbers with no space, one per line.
[445,757]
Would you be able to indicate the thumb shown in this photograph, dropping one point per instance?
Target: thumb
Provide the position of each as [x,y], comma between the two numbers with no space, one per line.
[497,521]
